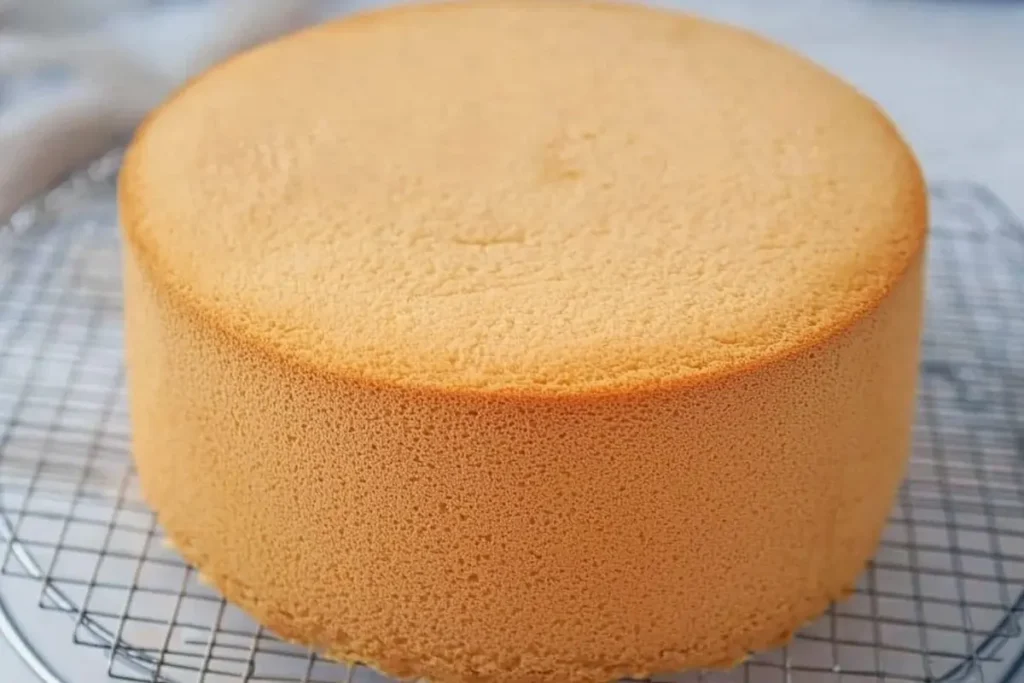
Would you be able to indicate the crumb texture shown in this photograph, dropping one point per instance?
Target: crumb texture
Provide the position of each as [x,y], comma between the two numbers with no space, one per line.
[523,341]
[460,194]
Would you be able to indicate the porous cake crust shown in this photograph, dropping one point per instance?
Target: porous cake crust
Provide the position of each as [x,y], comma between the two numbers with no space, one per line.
[523,341]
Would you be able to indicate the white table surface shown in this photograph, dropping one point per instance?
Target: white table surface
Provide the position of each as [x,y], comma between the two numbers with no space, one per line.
[949,72]
[12,669]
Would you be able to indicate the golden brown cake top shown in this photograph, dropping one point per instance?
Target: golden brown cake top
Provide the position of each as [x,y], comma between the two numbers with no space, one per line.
[551,197]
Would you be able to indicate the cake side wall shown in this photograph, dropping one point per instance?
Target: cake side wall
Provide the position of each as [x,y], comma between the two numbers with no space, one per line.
[477,537]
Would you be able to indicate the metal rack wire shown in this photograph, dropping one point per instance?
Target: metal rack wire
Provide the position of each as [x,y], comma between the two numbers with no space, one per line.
[942,601]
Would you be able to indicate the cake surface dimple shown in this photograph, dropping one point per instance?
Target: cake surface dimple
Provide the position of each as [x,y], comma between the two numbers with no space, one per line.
[514,341]
[491,180]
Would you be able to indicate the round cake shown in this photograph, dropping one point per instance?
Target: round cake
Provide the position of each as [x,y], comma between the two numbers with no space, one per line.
[523,341]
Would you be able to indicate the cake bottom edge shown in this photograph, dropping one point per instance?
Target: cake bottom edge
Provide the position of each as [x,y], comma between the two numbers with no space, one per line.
[774,630]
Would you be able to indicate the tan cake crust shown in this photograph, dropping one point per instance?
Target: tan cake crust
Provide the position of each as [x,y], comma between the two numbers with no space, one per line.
[578,398]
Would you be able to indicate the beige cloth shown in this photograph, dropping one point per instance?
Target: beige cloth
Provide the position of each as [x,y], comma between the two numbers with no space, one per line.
[120,58]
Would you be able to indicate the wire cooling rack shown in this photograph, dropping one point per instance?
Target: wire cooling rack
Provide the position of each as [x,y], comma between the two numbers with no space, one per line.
[942,601]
